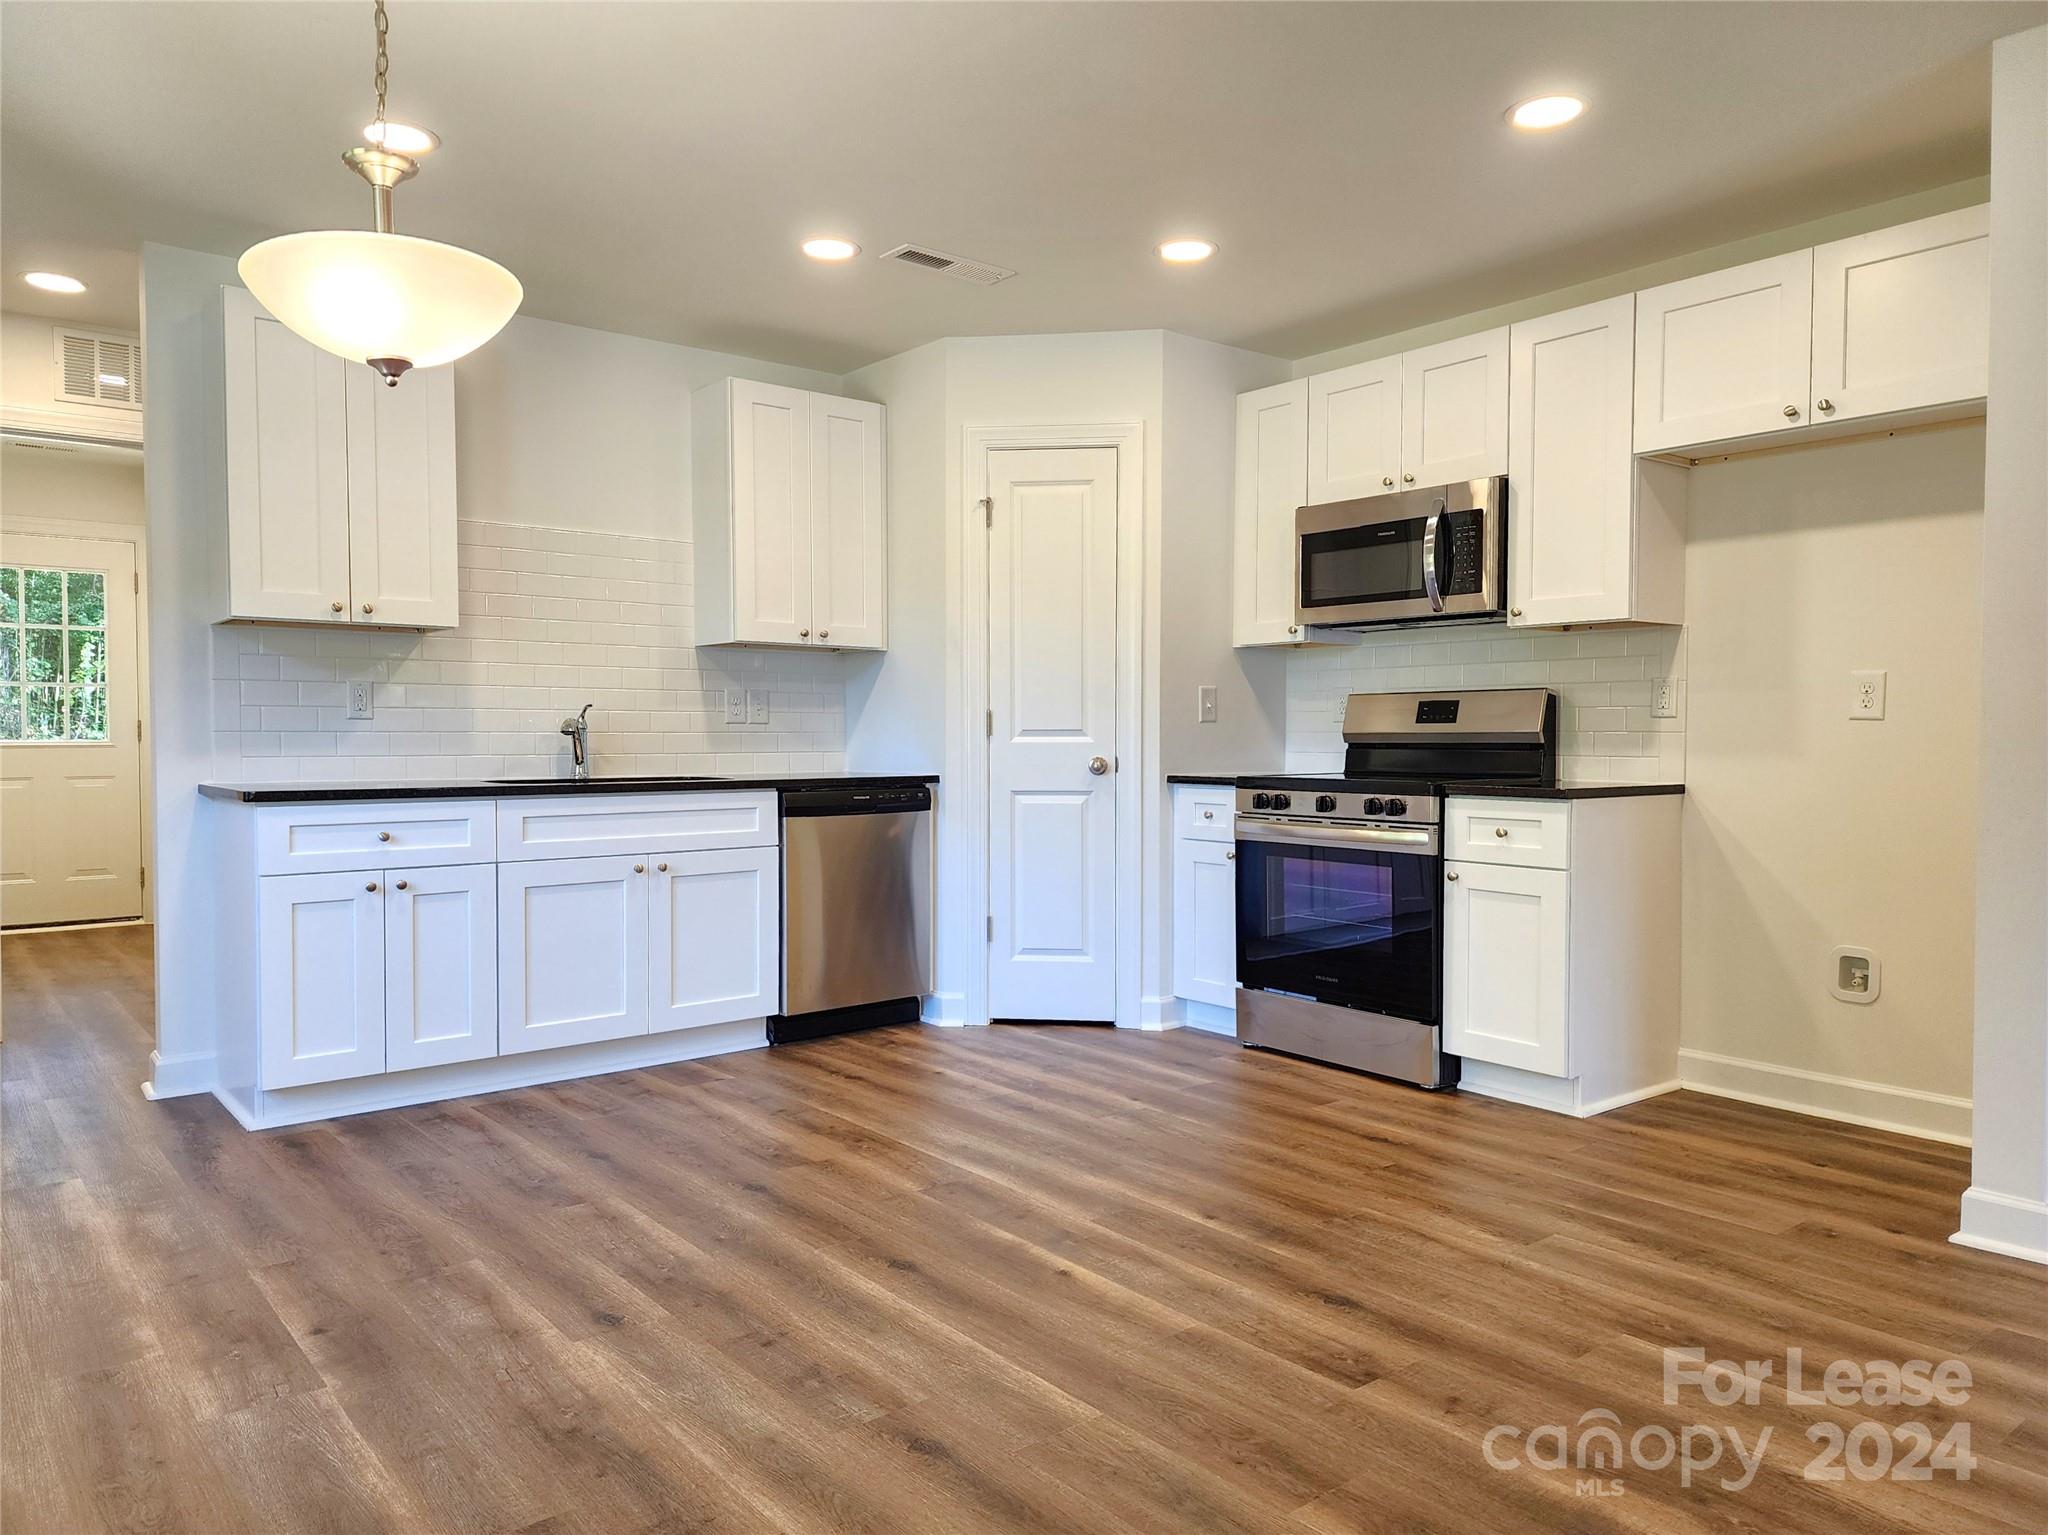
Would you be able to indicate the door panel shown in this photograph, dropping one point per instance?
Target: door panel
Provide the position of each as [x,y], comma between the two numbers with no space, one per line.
[1724,355]
[851,541]
[401,506]
[714,923]
[70,753]
[1052,690]
[771,523]
[1354,431]
[320,941]
[1454,410]
[440,966]
[572,951]
[1506,955]
[1205,922]
[1272,469]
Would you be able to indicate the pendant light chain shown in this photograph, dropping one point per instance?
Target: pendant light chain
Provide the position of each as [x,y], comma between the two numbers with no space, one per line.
[383,67]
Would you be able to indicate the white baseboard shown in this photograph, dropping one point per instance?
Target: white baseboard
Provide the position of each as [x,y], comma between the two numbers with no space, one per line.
[178,1076]
[2004,1223]
[1158,1014]
[1559,1095]
[1208,1017]
[1879,1105]
[946,1010]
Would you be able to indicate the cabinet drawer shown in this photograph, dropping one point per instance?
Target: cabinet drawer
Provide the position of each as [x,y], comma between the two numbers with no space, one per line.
[593,825]
[1528,833]
[319,839]
[1204,814]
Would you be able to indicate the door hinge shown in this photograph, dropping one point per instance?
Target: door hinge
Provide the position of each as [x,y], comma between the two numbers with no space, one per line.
[988,511]
[138,730]
[138,583]
[145,876]
[989,725]
[991,927]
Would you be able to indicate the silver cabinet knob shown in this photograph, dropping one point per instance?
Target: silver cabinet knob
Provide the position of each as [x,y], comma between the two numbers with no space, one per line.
[1294,628]
[1500,831]
[824,634]
[1824,405]
[1407,479]
[401,885]
[1208,815]
[383,836]
[1791,412]
[1514,612]
[639,868]
[1450,874]
[1098,765]
[661,868]
[803,634]
[368,609]
[1386,479]
[1231,854]
[340,607]
[371,887]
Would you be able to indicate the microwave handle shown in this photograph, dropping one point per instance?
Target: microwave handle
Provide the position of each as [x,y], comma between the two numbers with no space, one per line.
[1429,581]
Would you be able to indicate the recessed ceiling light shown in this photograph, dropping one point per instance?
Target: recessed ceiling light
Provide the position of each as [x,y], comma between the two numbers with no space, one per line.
[1186,250]
[402,138]
[831,250]
[53,282]
[1540,112]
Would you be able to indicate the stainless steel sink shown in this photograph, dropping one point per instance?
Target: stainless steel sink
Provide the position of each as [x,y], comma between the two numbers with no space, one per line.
[606,778]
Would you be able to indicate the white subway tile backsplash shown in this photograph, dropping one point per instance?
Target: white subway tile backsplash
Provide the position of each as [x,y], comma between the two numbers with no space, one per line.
[1603,679]
[552,618]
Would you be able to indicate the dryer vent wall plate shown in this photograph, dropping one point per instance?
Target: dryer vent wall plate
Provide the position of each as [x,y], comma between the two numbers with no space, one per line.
[1853,974]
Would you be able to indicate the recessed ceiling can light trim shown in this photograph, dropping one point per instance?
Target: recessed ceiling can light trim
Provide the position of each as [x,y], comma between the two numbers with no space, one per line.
[402,138]
[829,248]
[1182,252]
[1541,113]
[53,282]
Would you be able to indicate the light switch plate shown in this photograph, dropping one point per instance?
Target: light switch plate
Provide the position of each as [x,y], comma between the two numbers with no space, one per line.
[735,707]
[1866,695]
[361,702]
[1205,704]
[757,706]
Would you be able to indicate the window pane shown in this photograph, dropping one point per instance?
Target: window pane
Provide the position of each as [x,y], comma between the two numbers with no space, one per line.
[10,655]
[86,713]
[10,595]
[45,715]
[10,714]
[88,593]
[44,655]
[43,596]
[88,656]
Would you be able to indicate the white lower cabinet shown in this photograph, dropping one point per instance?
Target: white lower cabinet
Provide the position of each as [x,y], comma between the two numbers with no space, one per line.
[320,945]
[440,966]
[714,923]
[572,951]
[1205,899]
[1561,948]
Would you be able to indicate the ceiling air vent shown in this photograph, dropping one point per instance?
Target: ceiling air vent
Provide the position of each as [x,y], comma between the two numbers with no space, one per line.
[979,272]
[99,368]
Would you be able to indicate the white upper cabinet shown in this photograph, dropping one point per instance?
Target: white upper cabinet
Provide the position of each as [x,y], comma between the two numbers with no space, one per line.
[790,517]
[1724,355]
[1454,410]
[1593,537]
[341,491]
[1272,464]
[1354,432]
[1902,317]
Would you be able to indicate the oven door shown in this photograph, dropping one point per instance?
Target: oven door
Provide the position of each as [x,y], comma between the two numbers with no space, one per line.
[1343,914]
[1415,555]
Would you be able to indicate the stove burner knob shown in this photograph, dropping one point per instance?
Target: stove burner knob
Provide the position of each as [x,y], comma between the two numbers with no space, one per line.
[1262,802]
[1397,807]
[1281,801]
[1373,805]
[1326,803]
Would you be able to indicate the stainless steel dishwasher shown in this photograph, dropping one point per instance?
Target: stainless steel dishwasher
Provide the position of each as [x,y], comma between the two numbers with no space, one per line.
[856,909]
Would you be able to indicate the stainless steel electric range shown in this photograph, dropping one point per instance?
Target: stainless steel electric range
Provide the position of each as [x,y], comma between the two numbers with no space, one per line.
[1340,880]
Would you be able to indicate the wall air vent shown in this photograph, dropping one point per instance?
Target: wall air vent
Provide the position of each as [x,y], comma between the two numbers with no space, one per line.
[978,272]
[99,368]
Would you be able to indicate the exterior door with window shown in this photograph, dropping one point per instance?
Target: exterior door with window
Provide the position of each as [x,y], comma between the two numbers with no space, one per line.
[70,754]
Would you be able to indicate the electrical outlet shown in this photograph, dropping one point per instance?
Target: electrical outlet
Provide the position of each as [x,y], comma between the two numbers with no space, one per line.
[1663,699]
[757,706]
[735,707]
[1866,695]
[361,704]
[1205,704]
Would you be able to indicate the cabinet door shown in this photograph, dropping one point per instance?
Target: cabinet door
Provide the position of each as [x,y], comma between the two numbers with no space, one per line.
[1354,431]
[1205,922]
[572,951]
[1571,467]
[771,513]
[849,538]
[1506,953]
[716,921]
[1454,410]
[1902,317]
[320,949]
[401,498]
[440,965]
[1272,464]
[287,462]
[1724,355]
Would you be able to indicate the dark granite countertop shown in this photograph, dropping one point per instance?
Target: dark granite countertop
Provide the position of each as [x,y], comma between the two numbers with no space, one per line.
[1583,790]
[286,792]
[1222,780]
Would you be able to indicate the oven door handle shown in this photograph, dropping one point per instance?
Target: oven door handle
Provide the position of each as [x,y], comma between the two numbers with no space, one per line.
[1429,581]
[1421,841]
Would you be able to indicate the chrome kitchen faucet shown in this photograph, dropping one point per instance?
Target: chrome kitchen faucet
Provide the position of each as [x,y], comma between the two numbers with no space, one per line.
[577,729]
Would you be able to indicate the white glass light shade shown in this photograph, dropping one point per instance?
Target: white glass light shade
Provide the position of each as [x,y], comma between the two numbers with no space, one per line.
[360,294]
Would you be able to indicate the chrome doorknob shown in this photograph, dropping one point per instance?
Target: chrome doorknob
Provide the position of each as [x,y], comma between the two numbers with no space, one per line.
[1098,765]
[1791,412]
[1824,405]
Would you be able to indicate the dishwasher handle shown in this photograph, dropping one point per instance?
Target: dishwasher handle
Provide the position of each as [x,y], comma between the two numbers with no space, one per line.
[895,799]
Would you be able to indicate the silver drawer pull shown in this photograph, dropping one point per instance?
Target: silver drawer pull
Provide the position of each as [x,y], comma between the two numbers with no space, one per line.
[1500,831]
[383,836]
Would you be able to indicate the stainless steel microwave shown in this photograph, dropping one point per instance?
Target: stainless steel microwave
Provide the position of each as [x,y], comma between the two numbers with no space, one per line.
[1416,556]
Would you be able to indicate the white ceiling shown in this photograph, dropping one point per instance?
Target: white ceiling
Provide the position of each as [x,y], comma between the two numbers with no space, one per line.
[650,168]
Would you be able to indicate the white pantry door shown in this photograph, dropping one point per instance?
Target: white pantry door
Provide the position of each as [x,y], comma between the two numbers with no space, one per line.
[1052,732]
[70,753]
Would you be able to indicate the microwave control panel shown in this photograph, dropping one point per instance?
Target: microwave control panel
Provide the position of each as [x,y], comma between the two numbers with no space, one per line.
[1467,553]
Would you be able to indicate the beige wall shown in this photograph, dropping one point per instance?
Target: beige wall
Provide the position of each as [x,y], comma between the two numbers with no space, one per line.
[1805,829]
[75,486]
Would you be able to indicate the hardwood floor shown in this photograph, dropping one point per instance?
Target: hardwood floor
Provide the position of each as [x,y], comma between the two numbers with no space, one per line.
[928,1280]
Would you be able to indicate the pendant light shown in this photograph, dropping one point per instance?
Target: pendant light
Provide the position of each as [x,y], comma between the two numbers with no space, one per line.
[376,296]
